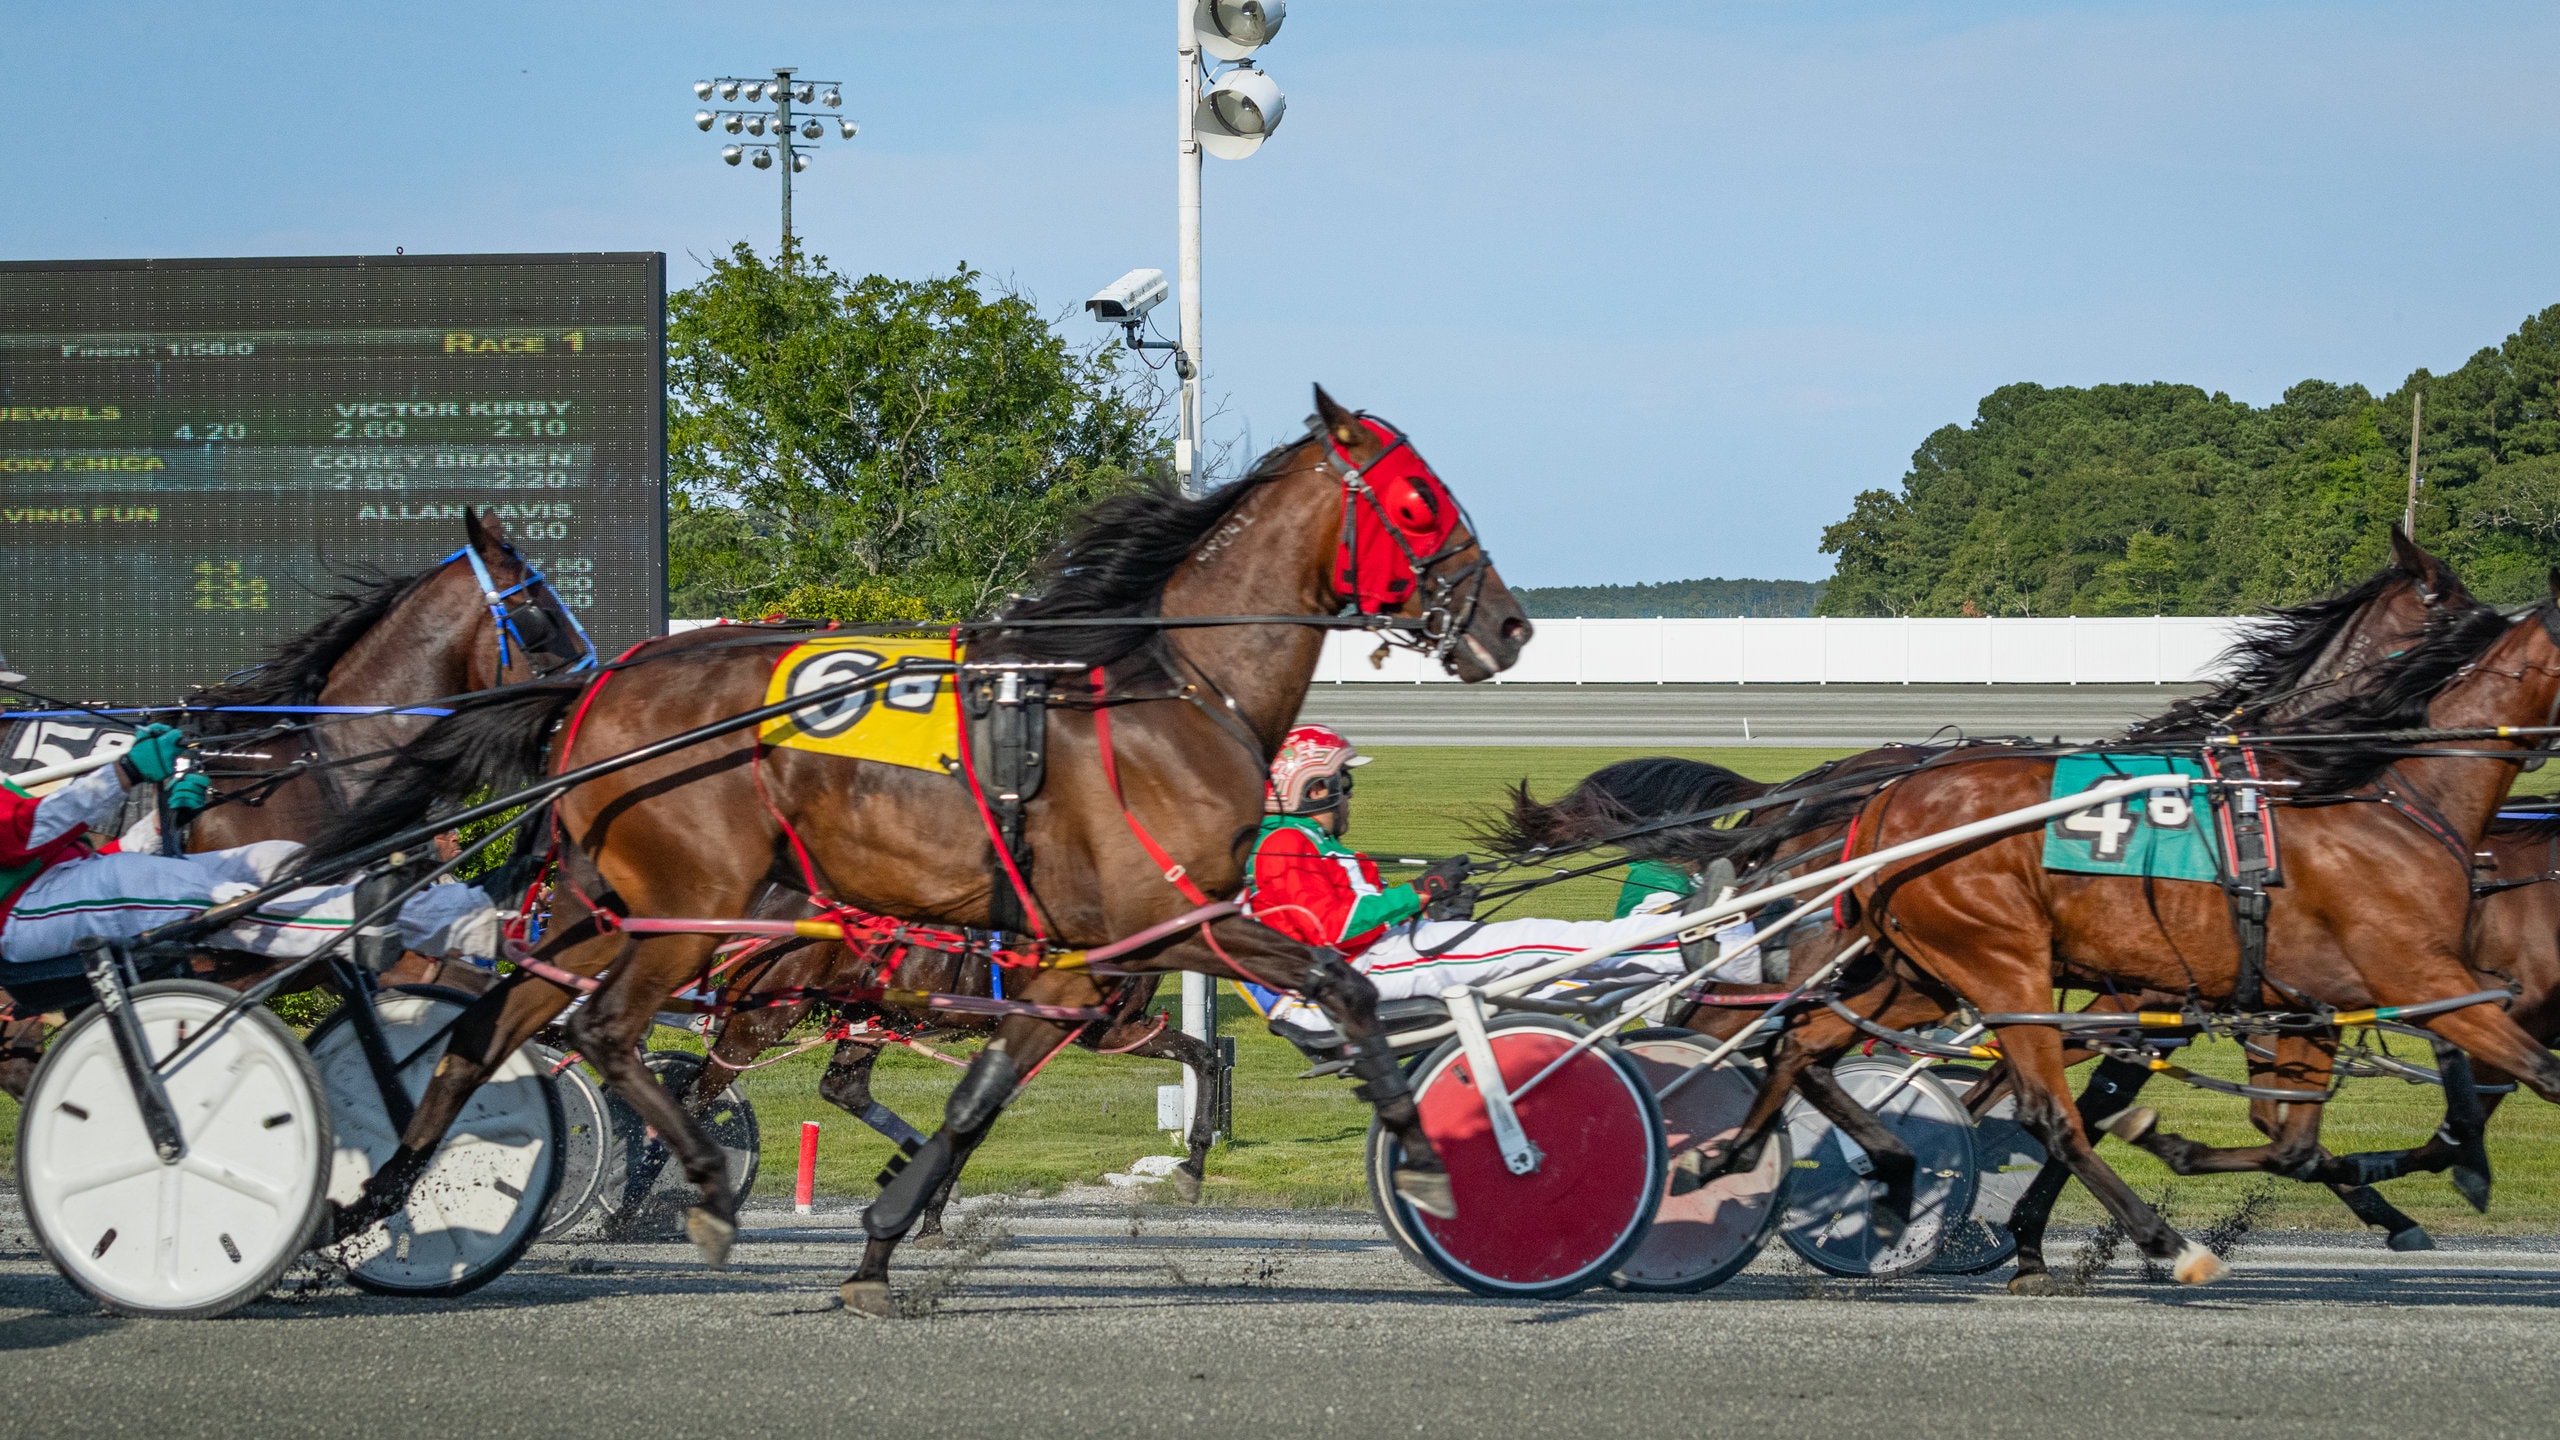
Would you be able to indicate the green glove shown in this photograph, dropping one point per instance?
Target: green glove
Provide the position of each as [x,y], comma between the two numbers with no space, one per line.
[191,791]
[154,755]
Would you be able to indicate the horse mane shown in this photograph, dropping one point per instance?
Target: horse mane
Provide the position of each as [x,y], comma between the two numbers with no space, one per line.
[1615,798]
[2407,684]
[299,669]
[1117,562]
[2270,662]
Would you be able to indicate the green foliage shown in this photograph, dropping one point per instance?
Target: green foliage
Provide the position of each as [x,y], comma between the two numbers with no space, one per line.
[1683,598]
[864,600]
[869,443]
[2160,498]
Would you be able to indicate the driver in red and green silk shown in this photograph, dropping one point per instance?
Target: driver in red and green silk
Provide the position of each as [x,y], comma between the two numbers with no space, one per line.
[1305,883]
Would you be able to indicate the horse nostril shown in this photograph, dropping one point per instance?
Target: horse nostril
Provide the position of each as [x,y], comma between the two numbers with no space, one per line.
[1517,629]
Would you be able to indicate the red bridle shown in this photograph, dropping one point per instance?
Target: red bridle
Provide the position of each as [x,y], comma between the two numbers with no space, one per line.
[1397,518]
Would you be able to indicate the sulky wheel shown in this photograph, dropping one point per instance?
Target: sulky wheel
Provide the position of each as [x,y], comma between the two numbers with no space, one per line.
[1567,1223]
[481,1200]
[2007,1159]
[1704,1238]
[589,1153]
[210,1233]
[645,1194]
[1829,1218]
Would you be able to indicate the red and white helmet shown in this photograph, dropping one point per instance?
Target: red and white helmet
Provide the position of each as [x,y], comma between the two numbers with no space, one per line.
[1307,774]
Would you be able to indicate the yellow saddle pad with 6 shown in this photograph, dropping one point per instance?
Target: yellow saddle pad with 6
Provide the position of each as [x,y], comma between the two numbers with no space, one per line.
[911,721]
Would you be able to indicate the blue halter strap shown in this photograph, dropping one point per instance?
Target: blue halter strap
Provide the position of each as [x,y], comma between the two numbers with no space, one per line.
[496,599]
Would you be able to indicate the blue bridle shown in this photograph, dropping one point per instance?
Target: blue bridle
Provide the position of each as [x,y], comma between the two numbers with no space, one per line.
[504,619]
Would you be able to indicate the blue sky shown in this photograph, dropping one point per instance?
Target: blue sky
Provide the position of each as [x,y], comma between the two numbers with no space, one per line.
[1657,289]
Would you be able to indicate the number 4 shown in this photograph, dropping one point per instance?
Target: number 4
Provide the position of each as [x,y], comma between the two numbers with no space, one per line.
[2105,827]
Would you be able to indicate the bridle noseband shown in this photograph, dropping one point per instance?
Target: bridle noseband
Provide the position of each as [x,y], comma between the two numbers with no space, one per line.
[504,616]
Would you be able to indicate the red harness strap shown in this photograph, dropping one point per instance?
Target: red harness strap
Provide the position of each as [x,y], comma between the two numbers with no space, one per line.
[1174,874]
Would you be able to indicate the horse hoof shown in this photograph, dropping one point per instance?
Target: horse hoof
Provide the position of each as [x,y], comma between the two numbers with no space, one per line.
[2131,1125]
[2413,1238]
[869,1297]
[2198,1266]
[711,1235]
[1185,1184]
[2034,1282]
[927,1240]
[2472,1186]
[1428,1192]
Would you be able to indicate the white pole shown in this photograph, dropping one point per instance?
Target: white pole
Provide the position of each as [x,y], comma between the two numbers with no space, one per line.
[1186,164]
[1198,991]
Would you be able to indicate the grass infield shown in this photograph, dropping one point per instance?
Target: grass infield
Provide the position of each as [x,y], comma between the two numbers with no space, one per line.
[1297,1140]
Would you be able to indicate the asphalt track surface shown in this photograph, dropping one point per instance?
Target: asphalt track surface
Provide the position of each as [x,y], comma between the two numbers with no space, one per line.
[1686,715]
[1077,1318]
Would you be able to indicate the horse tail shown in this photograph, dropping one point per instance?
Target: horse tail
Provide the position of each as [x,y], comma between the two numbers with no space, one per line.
[1615,799]
[491,744]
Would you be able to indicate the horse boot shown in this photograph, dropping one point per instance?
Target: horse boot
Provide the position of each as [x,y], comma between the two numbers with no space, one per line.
[911,1180]
[2466,1124]
[1382,1084]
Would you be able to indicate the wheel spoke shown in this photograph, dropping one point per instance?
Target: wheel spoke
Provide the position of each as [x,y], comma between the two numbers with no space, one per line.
[98,1177]
[237,1181]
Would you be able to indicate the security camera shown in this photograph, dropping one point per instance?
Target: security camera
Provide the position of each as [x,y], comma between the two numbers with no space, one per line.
[1127,300]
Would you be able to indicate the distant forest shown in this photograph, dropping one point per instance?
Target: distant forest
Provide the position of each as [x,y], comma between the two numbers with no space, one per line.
[2161,498]
[1682,598]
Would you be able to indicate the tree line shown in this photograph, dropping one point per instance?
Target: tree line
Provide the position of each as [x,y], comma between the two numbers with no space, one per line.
[2163,499]
[1674,598]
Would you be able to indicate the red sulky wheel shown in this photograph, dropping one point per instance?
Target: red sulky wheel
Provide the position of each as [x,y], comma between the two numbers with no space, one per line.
[1572,1220]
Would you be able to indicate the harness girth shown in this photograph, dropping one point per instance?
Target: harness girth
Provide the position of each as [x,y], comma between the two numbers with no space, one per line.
[1008,721]
[2250,868]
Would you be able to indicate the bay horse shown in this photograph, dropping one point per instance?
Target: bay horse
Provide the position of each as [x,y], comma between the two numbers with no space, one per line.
[391,640]
[2294,669]
[2373,911]
[1220,599]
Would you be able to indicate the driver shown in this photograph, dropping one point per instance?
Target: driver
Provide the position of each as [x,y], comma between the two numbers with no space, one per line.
[57,889]
[1305,883]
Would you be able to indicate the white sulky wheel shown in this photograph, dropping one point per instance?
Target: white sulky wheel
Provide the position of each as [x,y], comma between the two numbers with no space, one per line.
[1573,1219]
[1830,1210]
[206,1235]
[644,1194]
[2007,1158]
[481,1201]
[1703,1238]
[589,1151]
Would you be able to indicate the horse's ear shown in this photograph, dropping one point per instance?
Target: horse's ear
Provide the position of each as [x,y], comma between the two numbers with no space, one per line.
[484,537]
[2406,554]
[2554,578]
[1345,426]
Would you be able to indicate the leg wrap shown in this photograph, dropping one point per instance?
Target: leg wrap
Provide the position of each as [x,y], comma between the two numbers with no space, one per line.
[982,1092]
[1381,1079]
[887,1121]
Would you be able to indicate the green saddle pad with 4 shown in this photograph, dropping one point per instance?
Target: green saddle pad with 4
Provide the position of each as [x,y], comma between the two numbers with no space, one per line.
[2162,834]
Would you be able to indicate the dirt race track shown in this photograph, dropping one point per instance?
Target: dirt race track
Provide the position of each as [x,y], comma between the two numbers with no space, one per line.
[1068,1318]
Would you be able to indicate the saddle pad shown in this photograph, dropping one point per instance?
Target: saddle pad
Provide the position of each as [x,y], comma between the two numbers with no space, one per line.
[2162,834]
[912,722]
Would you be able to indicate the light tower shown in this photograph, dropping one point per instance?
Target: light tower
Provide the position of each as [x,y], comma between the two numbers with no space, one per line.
[793,136]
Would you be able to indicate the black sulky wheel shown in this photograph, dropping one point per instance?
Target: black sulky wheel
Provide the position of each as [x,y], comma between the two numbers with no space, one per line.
[211,1232]
[1571,1220]
[1830,1210]
[1703,1238]
[644,1195]
[589,1153]
[2006,1159]
[480,1202]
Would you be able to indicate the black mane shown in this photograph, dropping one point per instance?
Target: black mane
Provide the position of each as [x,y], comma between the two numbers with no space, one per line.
[2407,684]
[2269,664]
[299,669]
[1116,564]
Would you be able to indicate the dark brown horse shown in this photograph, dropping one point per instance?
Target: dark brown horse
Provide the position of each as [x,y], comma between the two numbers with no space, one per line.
[1195,714]
[2373,911]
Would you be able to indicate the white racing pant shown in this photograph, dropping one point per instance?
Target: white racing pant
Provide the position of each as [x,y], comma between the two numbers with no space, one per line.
[1426,957]
[120,895]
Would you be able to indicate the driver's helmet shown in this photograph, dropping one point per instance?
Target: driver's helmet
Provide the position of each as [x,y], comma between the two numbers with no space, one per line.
[1312,773]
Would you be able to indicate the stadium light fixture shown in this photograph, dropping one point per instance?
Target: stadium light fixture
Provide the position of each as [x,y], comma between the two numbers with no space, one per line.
[799,160]
[832,99]
[728,89]
[1239,113]
[702,89]
[811,130]
[1234,29]
[790,133]
[733,153]
[733,122]
[704,119]
[764,159]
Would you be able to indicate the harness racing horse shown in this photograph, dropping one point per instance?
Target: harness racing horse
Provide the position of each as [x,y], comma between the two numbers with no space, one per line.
[2373,911]
[2294,670]
[1195,627]
[396,640]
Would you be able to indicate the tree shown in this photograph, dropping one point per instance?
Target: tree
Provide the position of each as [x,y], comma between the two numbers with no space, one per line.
[877,448]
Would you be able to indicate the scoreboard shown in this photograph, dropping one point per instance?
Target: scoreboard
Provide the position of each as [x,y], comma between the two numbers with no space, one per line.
[190,448]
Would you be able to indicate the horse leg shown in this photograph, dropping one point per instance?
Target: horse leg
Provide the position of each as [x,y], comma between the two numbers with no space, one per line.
[1895,1164]
[1195,1055]
[2109,1093]
[608,1030]
[847,1086]
[2301,1062]
[993,1079]
[2035,1054]
[2457,1145]
[21,1046]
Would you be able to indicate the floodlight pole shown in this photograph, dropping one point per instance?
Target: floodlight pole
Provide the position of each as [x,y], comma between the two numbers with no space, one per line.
[1199,995]
[783,74]
[1186,440]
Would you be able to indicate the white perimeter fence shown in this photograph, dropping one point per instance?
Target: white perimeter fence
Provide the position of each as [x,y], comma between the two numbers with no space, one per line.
[2143,651]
